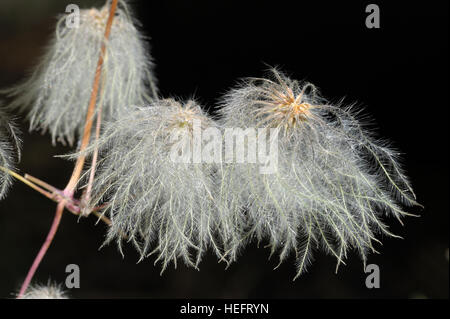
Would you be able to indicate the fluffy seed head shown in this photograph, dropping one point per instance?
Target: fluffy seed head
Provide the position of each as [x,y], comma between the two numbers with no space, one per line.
[335,182]
[57,94]
[182,117]
[9,151]
[98,18]
[50,291]
[282,103]
[159,205]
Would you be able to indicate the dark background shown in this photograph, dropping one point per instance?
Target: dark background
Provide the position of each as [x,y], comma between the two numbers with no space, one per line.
[398,72]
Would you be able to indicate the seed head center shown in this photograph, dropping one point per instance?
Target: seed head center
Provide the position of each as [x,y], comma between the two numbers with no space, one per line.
[291,110]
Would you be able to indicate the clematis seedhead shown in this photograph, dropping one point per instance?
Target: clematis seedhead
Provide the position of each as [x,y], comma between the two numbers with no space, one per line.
[161,205]
[56,95]
[336,183]
[9,151]
[49,291]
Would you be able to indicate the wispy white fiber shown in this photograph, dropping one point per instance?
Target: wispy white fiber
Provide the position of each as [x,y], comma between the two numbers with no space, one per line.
[56,95]
[50,291]
[161,206]
[336,183]
[9,150]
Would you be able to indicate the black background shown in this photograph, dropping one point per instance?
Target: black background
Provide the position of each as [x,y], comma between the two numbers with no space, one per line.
[399,73]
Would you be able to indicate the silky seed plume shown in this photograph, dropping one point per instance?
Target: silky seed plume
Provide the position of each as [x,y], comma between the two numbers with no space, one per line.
[49,291]
[335,183]
[9,151]
[162,206]
[56,95]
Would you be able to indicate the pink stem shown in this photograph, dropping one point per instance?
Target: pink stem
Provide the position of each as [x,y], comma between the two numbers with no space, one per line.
[87,197]
[71,185]
[43,250]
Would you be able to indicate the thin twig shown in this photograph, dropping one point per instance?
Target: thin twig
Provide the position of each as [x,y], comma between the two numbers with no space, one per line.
[87,195]
[27,182]
[43,250]
[56,195]
[70,188]
[71,185]
[41,183]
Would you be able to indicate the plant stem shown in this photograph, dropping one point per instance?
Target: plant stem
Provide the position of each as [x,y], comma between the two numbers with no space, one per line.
[71,185]
[41,183]
[70,188]
[56,195]
[27,182]
[87,196]
[43,250]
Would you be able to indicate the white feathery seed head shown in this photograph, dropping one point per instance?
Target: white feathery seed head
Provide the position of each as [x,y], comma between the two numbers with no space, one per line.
[49,291]
[57,94]
[160,205]
[335,182]
[9,151]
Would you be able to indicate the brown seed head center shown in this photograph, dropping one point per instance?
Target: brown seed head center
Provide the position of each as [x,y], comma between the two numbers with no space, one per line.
[183,118]
[287,109]
[99,18]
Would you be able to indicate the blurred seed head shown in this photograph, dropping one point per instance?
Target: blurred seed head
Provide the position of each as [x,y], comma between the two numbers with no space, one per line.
[9,150]
[335,182]
[50,291]
[57,94]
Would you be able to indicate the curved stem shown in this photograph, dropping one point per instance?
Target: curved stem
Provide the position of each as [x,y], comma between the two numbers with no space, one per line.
[43,250]
[70,188]
[87,196]
[71,185]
